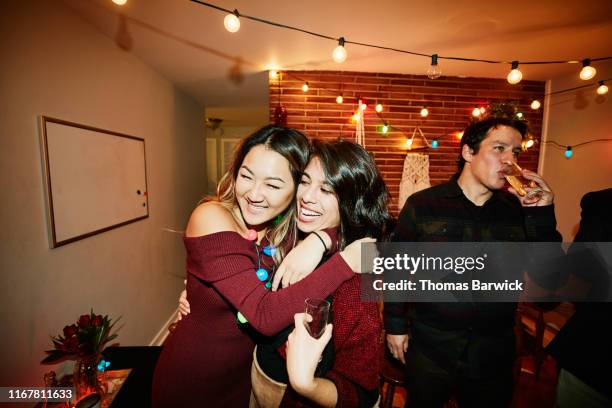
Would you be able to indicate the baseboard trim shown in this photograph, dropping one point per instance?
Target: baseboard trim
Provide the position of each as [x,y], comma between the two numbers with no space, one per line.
[160,337]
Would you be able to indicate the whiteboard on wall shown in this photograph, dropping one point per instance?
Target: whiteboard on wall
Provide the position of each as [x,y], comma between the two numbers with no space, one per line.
[95,179]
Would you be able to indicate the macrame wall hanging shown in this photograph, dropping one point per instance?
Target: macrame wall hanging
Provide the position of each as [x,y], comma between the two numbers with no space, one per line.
[415,176]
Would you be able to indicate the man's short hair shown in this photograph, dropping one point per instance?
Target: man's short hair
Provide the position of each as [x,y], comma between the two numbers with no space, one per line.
[476,132]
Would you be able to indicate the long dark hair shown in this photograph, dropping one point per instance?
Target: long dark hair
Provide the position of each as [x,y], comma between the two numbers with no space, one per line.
[362,194]
[293,146]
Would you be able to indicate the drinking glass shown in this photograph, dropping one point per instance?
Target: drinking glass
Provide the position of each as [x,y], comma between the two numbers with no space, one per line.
[523,186]
[318,310]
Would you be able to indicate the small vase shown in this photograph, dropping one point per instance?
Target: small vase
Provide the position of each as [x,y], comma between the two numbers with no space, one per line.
[85,375]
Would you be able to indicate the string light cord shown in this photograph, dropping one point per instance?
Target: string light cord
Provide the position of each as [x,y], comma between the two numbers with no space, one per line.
[578,87]
[380,47]
[562,146]
[407,135]
[272,23]
[333,90]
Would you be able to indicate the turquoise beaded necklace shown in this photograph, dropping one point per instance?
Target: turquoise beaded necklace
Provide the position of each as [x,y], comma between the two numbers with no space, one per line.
[262,273]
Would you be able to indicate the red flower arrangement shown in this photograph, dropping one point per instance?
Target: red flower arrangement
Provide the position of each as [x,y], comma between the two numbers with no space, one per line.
[87,337]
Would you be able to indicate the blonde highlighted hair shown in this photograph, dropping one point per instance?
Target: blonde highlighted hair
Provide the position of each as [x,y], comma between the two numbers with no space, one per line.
[294,147]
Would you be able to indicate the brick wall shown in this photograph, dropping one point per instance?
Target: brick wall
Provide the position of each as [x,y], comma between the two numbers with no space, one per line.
[450,102]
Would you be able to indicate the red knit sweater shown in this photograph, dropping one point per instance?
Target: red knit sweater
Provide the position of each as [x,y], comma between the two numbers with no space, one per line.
[357,348]
[227,261]
[208,357]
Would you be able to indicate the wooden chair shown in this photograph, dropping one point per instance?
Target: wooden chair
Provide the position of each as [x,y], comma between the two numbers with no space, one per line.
[391,376]
[536,326]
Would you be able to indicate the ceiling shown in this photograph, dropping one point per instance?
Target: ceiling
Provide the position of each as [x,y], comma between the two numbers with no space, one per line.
[187,43]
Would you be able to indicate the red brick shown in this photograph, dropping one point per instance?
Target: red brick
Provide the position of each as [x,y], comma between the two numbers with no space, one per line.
[450,102]
[407,82]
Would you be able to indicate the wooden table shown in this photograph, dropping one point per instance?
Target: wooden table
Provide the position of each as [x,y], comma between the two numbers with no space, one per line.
[131,377]
[114,380]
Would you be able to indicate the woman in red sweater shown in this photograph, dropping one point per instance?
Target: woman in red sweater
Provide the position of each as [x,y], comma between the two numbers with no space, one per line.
[341,190]
[233,247]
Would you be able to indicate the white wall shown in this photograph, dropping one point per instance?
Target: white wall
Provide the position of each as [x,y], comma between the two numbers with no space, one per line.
[573,118]
[55,64]
[237,123]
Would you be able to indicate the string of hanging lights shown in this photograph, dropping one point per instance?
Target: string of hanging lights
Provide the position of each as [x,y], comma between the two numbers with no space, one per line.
[602,89]
[477,112]
[569,149]
[339,53]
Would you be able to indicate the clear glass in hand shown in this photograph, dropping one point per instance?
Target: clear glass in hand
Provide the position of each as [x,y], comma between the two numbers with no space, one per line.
[318,310]
[523,186]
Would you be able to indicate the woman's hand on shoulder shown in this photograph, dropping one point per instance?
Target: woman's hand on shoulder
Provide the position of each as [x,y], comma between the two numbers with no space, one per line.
[300,261]
[208,218]
[352,254]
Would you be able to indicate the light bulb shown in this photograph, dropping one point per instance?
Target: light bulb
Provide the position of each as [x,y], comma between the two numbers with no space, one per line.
[363,106]
[379,108]
[409,144]
[459,135]
[434,144]
[232,22]
[273,74]
[434,71]
[535,105]
[424,112]
[529,143]
[519,115]
[482,110]
[339,99]
[120,2]
[476,112]
[305,87]
[356,117]
[515,76]
[568,152]
[384,129]
[602,89]
[587,72]
[339,54]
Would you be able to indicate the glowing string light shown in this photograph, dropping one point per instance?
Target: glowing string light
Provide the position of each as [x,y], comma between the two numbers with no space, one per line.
[232,22]
[587,72]
[515,76]
[339,53]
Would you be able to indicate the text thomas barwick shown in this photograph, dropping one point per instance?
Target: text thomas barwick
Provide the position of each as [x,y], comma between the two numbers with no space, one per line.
[428,285]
